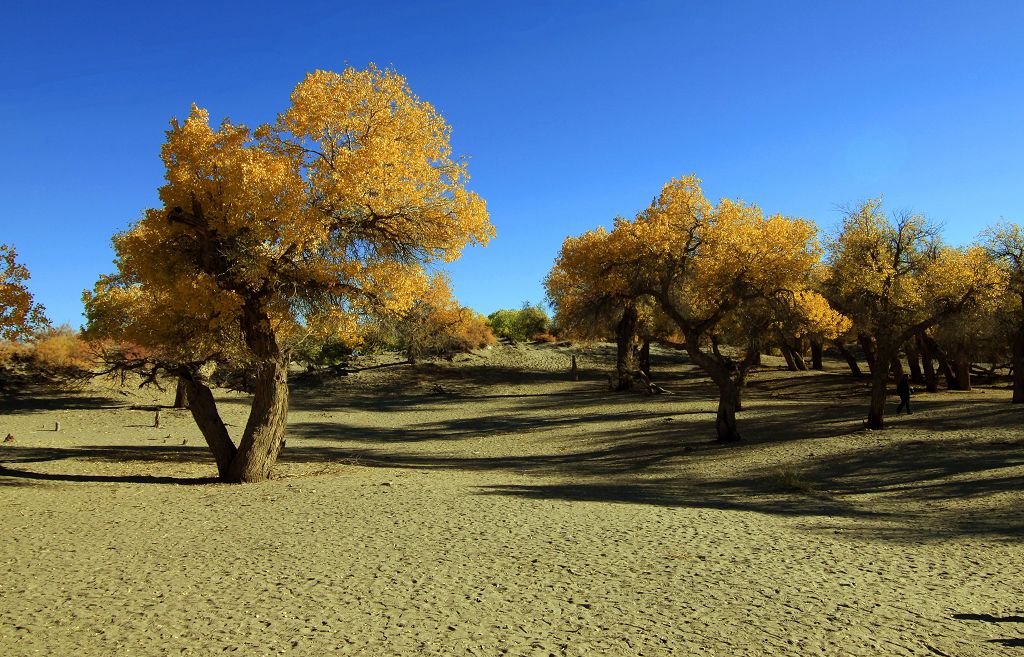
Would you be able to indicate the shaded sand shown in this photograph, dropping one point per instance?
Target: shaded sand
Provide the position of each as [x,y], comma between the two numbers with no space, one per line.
[490,506]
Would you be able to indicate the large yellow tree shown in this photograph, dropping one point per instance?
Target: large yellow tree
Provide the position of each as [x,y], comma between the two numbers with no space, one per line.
[1005,243]
[704,265]
[896,280]
[20,315]
[306,224]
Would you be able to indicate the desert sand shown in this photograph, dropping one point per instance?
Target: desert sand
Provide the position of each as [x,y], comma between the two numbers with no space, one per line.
[493,506]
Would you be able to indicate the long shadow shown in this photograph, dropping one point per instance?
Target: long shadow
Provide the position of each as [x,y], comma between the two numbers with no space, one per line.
[989,618]
[103,479]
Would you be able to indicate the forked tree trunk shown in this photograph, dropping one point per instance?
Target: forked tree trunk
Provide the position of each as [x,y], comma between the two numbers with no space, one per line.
[896,367]
[798,356]
[943,360]
[816,349]
[264,432]
[851,361]
[914,362]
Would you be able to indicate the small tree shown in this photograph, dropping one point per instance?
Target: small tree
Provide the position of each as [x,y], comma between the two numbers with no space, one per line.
[20,315]
[306,224]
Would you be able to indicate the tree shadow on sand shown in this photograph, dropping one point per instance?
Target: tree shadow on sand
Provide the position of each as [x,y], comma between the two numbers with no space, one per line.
[142,454]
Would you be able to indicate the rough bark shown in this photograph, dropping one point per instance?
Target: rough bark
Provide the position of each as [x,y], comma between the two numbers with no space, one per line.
[943,360]
[728,404]
[204,412]
[962,371]
[625,330]
[816,351]
[879,383]
[264,432]
[851,361]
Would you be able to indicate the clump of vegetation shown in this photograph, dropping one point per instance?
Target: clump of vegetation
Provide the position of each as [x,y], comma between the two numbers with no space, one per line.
[791,480]
[527,323]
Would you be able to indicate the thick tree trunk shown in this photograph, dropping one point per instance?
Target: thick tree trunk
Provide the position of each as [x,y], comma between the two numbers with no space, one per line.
[1018,366]
[914,361]
[869,349]
[204,412]
[931,380]
[624,333]
[879,384]
[816,349]
[728,404]
[962,371]
[264,432]
[851,362]
[180,394]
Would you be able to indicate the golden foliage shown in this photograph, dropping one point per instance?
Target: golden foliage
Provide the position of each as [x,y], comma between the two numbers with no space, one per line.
[322,217]
[19,314]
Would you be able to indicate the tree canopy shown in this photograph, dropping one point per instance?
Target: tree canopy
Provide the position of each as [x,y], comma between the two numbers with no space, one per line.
[306,224]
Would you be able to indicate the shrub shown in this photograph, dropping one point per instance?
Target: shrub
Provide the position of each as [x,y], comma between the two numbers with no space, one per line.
[520,325]
[61,349]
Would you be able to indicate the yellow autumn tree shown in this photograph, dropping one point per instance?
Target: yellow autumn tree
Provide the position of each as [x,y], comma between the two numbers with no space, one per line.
[20,315]
[896,280]
[306,224]
[703,265]
[1005,244]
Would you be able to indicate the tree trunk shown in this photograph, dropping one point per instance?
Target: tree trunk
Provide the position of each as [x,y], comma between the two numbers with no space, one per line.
[624,332]
[816,348]
[645,358]
[798,357]
[914,361]
[180,394]
[204,412]
[931,380]
[1018,366]
[944,367]
[264,432]
[962,370]
[849,358]
[787,353]
[879,384]
[728,403]
[869,349]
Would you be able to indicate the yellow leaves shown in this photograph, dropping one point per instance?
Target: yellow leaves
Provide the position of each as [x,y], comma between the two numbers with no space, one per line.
[326,215]
[19,314]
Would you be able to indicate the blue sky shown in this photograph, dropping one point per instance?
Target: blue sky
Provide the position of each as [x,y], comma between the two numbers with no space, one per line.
[571,112]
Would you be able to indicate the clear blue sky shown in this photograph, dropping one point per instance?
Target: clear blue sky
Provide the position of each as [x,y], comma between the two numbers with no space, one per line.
[571,112]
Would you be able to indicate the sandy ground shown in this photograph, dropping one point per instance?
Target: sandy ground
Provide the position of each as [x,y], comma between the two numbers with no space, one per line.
[491,506]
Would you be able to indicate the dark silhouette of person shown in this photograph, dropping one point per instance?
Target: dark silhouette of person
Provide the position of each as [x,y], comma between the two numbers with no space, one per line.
[903,390]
